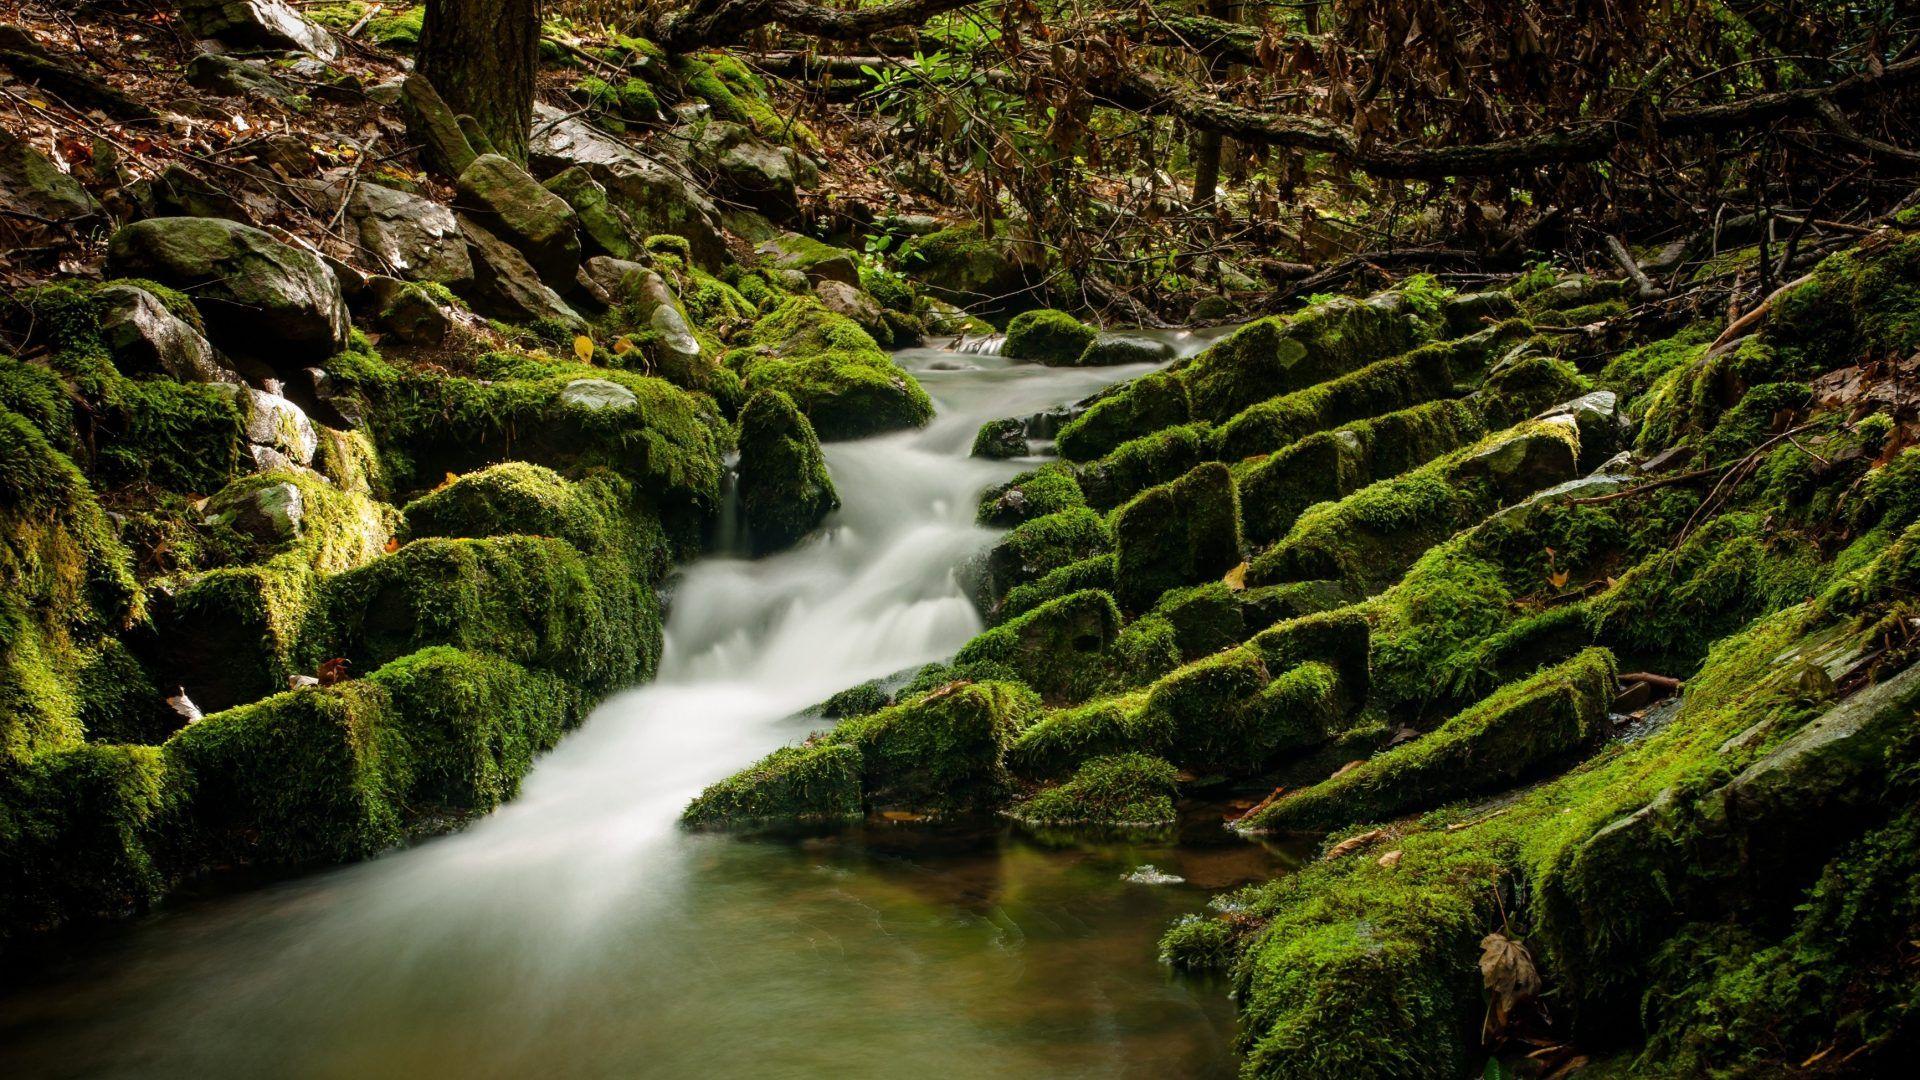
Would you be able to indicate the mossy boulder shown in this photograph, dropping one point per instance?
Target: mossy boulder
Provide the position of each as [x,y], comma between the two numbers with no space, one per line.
[1182,533]
[817,782]
[1059,648]
[1048,336]
[1148,461]
[260,297]
[1047,490]
[962,265]
[1041,545]
[831,369]
[1110,350]
[514,206]
[784,487]
[1516,733]
[1001,439]
[603,230]
[597,514]
[1138,408]
[818,261]
[1277,355]
[1118,791]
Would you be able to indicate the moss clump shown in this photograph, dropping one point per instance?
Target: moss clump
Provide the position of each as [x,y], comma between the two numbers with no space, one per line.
[1058,648]
[1000,439]
[1517,732]
[1123,790]
[1181,533]
[784,487]
[1370,537]
[962,265]
[1047,490]
[817,782]
[1056,743]
[1145,405]
[1093,572]
[1860,305]
[1048,336]
[1277,355]
[1038,547]
[65,582]
[940,751]
[833,370]
[537,601]
[1205,618]
[597,514]
[1138,464]
[76,826]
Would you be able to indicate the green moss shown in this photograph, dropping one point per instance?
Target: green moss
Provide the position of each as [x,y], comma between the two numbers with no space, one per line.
[1517,732]
[75,830]
[36,395]
[1205,618]
[893,290]
[1277,355]
[845,384]
[1860,305]
[1148,461]
[1093,572]
[1056,743]
[1047,490]
[784,487]
[1058,648]
[817,782]
[1137,408]
[1048,336]
[1181,533]
[1038,547]
[1123,790]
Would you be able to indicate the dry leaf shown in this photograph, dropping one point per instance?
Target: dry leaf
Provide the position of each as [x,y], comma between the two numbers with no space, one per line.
[392,546]
[1354,843]
[1507,971]
[622,346]
[1559,579]
[1391,859]
[1236,578]
[583,348]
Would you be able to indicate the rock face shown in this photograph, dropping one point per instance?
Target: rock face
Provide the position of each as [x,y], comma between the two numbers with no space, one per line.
[146,338]
[844,299]
[31,184]
[653,197]
[260,297]
[280,433]
[1181,533]
[784,487]
[511,203]
[1108,349]
[271,514]
[416,238]
[229,77]
[818,261]
[505,286]
[750,169]
[259,24]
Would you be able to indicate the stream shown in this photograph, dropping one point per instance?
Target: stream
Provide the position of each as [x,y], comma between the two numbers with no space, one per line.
[579,932]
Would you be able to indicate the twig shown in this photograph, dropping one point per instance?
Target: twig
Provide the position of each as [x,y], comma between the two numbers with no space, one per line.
[361,23]
[1739,327]
[1648,290]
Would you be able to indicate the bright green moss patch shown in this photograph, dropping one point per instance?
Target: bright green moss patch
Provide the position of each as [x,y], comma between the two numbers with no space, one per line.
[1047,490]
[1124,790]
[1047,336]
[1138,464]
[1181,533]
[818,782]
[1137,408]
[833,370]
[1038,547]
[1093,572]
[1058,648]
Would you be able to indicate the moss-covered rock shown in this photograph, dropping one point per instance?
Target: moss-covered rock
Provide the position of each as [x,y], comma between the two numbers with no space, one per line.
[1040,546]
[817,782]
[1277,355]
[1047,490]
[1514,734]
[1148,461]
[1123,790]
[1001,439]
[833,370]
[1138,408]
[784,487]
[1048,336]
[1058,648]
[1182,533]
[963,266]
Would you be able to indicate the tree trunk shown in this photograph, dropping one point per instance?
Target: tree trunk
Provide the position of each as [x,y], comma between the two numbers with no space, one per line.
[1210,144]
[481,55]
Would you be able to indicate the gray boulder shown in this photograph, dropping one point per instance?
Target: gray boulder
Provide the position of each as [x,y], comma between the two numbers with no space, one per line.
[505,286]
[750,169]
[1108,349]
[272,513]
[597,395]
[513,206]
[653,197]
[416,238]
[147,339]
[654,305]
[260,297]
[279,431]
[408,311]
[853,302]
[258,24]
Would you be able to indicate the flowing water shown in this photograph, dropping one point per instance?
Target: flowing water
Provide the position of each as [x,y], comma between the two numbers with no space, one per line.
[577,932]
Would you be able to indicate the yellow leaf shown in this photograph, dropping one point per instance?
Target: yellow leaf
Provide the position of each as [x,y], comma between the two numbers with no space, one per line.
[1236,578]
[583,348]
[622,346]
[1559,579]
[1391,859]
[36,103]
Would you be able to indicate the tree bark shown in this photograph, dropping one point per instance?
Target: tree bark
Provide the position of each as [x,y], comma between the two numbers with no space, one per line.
[1209,145]
[481,56]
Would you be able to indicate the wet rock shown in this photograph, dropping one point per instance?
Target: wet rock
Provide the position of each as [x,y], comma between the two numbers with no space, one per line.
[229,77]
[260,297]
[1110,349]
[1601,423]
[602,228]
[844,299]
[653,197]
[416,238]
[431,123]
[145,338]
[514,207]
[271,514]
[1182,533]
[258,24]
[818,261]
[505,286]
[1001,439]
[784,488]
[597,395]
